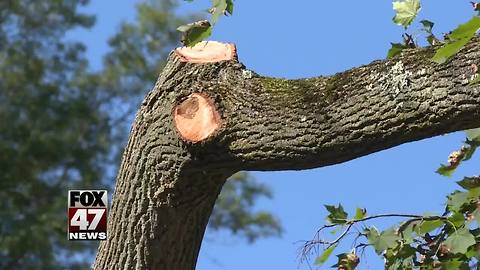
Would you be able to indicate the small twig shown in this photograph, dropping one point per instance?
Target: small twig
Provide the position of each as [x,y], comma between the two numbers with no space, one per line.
[308,245]
[361,246]
[418,217]
[439,241]
[359,234]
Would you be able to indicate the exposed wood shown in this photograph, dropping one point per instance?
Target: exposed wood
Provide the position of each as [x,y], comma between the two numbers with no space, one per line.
[207,52]
[167,185]
[196,118]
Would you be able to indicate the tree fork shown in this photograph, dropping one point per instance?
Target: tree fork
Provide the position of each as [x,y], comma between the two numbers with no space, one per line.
[209,117]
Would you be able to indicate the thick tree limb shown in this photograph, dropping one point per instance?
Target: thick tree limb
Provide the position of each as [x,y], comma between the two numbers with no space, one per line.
[205,120]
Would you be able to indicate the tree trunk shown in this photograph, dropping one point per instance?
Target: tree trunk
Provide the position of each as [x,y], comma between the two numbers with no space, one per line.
[209,117]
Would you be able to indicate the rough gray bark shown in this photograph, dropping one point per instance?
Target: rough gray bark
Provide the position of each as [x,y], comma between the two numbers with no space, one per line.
[166,187]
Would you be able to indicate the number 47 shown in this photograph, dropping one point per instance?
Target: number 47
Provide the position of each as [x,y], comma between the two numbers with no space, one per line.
[80,218]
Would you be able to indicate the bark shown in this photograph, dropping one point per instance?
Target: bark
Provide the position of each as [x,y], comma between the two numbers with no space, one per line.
[167,184]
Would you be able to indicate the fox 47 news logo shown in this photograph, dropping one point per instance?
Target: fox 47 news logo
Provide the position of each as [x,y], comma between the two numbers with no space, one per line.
[87,214]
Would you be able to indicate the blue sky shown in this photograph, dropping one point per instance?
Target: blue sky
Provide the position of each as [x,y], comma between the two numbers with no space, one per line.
[295,39]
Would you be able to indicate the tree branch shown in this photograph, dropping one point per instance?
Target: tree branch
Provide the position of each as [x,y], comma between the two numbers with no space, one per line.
[352,222]
[209,117]
[299,124]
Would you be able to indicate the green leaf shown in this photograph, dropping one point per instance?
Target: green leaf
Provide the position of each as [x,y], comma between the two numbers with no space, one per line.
[470,150]
[337,214]
[347,261]
[218,9]
[432,40]
[458,38]
[456,200]
[194,33]
[448,50]
[460,241]
[406,11]
[427,25]
[471,252]
[474,193]
[230,7]
[325,255]
[457,219]
[396,49]
[360,213]
[400,258]
[382,241]
[457,157]
[469,183]
[446,170]
[452,265]
[473,134]
[467,29]
[184,28]
[428,226]
[198,35]
[407,234]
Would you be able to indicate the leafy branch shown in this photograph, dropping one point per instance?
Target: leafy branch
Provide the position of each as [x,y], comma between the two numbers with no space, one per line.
[448,241]
[349,224]
[406,12]
[379,240]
